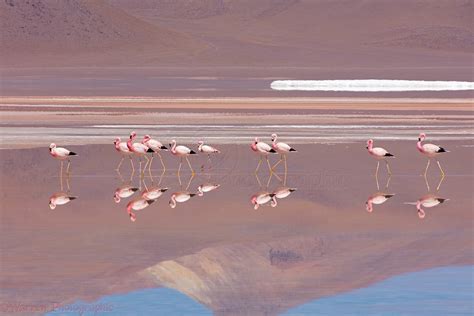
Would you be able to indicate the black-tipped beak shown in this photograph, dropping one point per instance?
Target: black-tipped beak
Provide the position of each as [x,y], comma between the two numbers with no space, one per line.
[367,147]
[419,139]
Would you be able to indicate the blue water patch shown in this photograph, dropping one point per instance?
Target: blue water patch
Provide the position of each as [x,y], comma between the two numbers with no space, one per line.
[439,291]
[157,301]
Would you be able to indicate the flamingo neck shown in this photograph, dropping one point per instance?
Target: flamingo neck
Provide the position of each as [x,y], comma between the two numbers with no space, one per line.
[370,146]
[173,201]
[419,146]
[369,205]
[173,147]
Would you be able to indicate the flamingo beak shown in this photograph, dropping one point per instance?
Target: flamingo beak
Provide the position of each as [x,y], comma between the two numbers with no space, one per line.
[419,139]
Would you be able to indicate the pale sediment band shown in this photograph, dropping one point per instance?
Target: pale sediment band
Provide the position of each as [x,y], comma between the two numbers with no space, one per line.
[371,85]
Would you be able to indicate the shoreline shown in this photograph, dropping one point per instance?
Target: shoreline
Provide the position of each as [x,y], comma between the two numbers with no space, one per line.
[281,103]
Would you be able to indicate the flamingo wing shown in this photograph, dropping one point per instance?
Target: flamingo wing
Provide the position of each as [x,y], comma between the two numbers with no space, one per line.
[263,147]
[379,151]
[431,148]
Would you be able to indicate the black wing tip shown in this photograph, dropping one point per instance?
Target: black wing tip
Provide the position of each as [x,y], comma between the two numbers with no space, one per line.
[149,150]
[389,155]
[192,194]
[192,152]
[73,197]
[150,201]
[442,150]
[292,149]
[272,150]
[71,153]
[389,195]
[164,147]
[134,189]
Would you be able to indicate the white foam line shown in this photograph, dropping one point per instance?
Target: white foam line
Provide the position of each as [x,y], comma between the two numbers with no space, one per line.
[370,85]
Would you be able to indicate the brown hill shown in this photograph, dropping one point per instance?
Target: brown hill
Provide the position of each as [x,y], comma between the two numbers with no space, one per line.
[83,31]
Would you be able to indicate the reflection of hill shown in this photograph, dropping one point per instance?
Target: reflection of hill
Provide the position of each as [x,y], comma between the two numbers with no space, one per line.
[268,278]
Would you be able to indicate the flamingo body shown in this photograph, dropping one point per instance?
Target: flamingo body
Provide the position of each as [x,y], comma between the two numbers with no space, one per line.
[124,192]
[180,197]
[60,153]
[60,198]
[207,187]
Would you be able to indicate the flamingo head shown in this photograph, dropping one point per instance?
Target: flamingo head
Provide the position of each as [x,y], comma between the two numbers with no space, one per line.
[133,135]
[200,143]
[200,192]
[116,198]
[421,213]
[117,140]
[173,142]
[274,202]
[368,207]
[53,145]
[421,137]
[52,205]
[133,217]
[253,200]
[274,137]
[370,142]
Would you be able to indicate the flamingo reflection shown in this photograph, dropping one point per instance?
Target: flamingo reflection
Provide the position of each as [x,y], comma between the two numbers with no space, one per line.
[181,196]
[427,201]
[60,198]
[125,190]
[137,204]
[207,187]
[379,197]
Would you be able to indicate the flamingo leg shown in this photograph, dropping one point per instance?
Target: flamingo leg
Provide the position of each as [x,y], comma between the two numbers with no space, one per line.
[189,182]
[278,162]
[140,165]
[427,184]
[162,163]
[377,170]
[427,166]
[286,171]
[191,168]
[151,160]
[131,164]
[439,184]
[388,181]
[258,165]
[67,184]
[440,169]
[146,163]
[377,181]
[68,165]
[120,164]
[180,163]
[258,180]
[388,167]
[61,176]
[269,167]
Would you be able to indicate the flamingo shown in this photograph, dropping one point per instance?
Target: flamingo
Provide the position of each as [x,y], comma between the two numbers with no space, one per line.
[138,149]
[123,150]
[283,149]
[431,151]
[137,204]
[180,197]
[377,199]
[153,193]
[61,154]
[261,198]
[124,192]
[262,149]
[60,198]
[156,146]
[206,149]
[428,200]
[207,187]
[379,153]
[182,151]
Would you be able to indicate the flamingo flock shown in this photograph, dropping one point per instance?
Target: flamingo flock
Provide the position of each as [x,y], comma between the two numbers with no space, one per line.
[148,147]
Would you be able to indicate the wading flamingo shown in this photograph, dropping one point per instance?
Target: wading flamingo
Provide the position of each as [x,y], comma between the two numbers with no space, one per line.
[60,198]
[428,201]
[262,149]
[61,154]
[207,187]
[123,150]
[139,150]
[156,146]
[283,149]
[206,149]
[137,204]
[182,151]
[379,153]
[431,151]
[153,193]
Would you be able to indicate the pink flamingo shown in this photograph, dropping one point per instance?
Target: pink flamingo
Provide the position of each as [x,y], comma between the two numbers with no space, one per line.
[207,187]
[123,150]
[261,198]
[139,150]
[61,154]
[60,198]
[156,146]
[428,201]
[281,193]
[180,197]
[431,151]
[182,151]
[137,204]
[379,153]
[153,193]
[124,192]
[377,199]
[263,150]
[283,149]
